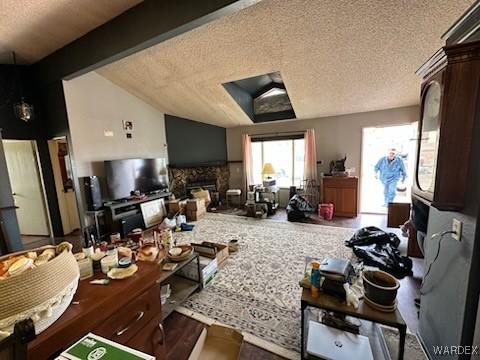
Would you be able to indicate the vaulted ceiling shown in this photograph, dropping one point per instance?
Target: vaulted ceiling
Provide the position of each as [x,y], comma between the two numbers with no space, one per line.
[36,28]
[335,57]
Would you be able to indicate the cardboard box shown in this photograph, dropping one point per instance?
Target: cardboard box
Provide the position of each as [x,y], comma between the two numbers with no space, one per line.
[194,215]
[208,270]
[217,343]
[196,204]
[212,250]
[92,346]
[177,205]
[202,194]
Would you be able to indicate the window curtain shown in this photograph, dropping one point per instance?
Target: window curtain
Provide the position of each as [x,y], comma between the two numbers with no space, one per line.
[247,161]
[310,170]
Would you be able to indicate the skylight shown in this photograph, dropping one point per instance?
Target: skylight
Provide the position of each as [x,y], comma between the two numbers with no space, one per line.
[263,97]
[272,101]
[272,92]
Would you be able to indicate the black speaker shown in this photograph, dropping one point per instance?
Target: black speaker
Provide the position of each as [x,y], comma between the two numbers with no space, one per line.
[130,223]
[93,193]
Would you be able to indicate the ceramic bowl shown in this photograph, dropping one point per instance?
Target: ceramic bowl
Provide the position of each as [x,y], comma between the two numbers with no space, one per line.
[187,250]
[380,287]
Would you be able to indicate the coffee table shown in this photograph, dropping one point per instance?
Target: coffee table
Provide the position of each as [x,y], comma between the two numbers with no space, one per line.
[364,312]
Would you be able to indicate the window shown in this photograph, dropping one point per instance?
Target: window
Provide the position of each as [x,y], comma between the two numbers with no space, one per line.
[286,156]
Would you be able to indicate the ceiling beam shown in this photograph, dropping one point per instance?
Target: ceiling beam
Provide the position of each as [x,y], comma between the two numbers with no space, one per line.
[146,24]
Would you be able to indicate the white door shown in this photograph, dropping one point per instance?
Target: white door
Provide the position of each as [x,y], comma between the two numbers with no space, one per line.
[26,187]
[376,143]
[67,202]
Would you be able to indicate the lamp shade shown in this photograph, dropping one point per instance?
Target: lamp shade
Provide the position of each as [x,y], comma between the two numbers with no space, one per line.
[268,169]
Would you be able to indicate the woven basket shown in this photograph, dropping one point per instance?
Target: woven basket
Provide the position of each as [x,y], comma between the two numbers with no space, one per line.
[41,294]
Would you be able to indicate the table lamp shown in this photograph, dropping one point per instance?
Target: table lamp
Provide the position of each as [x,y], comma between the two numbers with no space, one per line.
[268,170]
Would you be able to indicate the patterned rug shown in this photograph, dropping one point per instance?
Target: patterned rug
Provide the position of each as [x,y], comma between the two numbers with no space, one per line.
[413,349]
[257,290]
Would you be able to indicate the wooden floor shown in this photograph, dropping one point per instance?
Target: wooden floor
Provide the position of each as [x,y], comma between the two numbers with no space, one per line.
[360,221]
[183,332]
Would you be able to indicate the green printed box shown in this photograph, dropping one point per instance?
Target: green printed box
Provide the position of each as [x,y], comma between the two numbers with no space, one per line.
[93,347]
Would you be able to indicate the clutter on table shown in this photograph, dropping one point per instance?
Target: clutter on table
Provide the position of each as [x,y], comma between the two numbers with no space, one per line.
[333,276]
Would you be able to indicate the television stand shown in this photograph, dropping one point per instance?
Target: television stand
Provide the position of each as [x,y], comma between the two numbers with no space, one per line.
[117,213]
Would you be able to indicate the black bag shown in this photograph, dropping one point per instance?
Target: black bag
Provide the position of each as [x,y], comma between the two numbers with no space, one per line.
[377,248]
[372,235]
[297,207]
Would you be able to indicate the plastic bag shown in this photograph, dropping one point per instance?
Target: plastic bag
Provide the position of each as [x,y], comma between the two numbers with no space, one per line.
[297,207]
[378,248]
[372,235]
[386,258]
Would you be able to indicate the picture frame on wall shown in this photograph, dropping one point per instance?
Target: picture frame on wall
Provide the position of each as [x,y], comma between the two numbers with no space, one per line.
[127,125]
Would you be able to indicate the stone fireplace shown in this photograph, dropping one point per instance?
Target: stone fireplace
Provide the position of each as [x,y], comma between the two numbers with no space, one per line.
[212,178]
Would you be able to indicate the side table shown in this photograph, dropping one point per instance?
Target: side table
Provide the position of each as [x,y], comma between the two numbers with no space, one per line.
[364,312]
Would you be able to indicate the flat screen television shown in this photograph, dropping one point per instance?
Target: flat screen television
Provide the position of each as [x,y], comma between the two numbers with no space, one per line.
[144,175]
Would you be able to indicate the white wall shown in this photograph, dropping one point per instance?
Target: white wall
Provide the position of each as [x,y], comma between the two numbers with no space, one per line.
[95,105]
[335,136]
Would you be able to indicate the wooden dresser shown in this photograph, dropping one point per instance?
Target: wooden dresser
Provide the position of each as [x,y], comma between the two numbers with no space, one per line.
[342,192]
[126,311]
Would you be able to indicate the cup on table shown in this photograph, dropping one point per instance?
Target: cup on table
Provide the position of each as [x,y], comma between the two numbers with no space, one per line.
[115,237]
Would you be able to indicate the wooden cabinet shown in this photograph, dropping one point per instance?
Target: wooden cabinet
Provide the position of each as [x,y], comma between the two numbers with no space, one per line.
[448,107]
[151,340]
[132,318]
[138,324]
[398,214]
[342,192]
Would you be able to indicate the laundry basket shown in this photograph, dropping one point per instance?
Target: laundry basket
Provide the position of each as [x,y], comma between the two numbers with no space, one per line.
[42,293]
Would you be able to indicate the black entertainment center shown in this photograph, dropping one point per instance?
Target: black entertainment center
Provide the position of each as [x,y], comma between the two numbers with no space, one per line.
[123,216]
[126,180]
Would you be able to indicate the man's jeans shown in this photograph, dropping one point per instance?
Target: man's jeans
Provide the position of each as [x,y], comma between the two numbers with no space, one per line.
[390,191]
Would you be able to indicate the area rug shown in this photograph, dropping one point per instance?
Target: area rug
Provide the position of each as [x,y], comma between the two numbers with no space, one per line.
[257,290]
[413,349]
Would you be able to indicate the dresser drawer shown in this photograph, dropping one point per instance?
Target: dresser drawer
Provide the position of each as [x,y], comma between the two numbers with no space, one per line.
[132,318]
[151,340]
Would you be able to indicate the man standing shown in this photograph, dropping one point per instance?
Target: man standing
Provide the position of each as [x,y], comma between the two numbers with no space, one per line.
[391,169]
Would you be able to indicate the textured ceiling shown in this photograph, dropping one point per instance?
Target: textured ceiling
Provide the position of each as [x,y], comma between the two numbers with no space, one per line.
[335,57]
[36,28]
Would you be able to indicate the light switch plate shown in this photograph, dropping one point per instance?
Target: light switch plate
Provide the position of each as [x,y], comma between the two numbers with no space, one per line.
[457,229]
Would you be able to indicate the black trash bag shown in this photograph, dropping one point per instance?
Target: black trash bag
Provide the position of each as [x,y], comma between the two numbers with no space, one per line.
[297,207]
[386,257]
[372,235]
